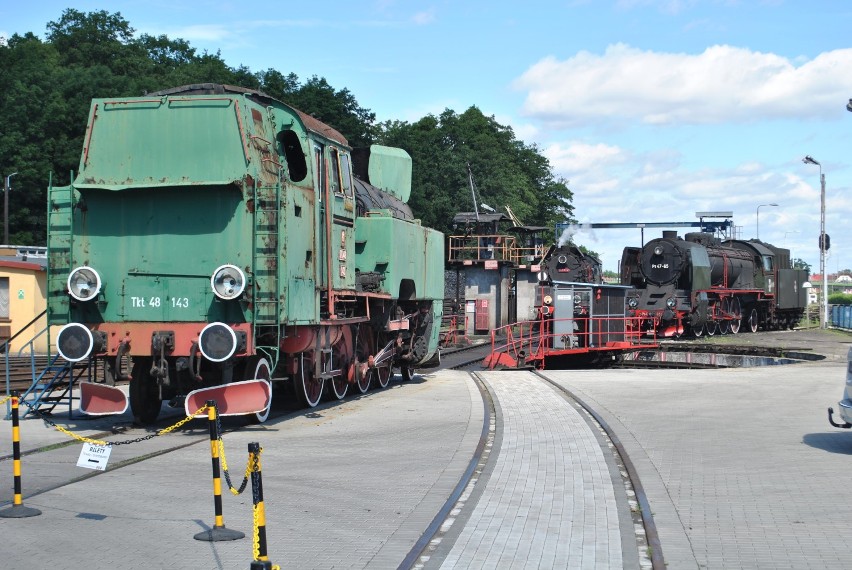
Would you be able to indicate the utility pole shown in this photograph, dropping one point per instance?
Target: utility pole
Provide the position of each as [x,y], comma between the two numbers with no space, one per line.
[6,189]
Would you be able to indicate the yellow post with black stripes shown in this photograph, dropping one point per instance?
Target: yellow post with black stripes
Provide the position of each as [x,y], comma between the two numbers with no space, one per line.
[17,510]
[261,559]
[218,532]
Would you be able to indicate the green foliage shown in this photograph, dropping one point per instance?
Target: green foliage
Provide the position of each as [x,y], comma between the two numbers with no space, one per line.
[506,172]
[799,263]
[49,85]
[840,299]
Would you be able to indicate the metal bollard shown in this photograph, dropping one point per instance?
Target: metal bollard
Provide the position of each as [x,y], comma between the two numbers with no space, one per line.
[218,532]
[17,510]
[261,559]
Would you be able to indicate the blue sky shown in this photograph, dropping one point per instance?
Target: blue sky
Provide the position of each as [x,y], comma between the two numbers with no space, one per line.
[651,109]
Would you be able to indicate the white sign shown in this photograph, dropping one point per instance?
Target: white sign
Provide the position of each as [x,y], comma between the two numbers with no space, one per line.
[94,456]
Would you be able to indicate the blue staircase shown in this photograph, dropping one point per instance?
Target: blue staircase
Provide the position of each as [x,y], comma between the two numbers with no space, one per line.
[53,385]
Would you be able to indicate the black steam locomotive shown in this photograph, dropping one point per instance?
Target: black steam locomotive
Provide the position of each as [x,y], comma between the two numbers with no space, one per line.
[567,263]
[702,285]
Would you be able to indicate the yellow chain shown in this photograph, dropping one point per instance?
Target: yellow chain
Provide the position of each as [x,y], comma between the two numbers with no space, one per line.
[80,437]
[255,543]
[164,431]
[102,442]
[4,400]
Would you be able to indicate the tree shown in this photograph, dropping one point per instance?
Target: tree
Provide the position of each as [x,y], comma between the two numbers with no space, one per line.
[505,170]
[799,263]
[49,85]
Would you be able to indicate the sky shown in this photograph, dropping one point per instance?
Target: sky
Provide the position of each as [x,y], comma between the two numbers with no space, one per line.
[651,110]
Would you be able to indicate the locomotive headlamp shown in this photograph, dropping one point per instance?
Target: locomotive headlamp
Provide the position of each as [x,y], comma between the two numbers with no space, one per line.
[632,303]
[670,302]
[228,282]
[543,276]
[562,259]
[547,300]
[84,283]
[217,342]
[74,342]
[658,250]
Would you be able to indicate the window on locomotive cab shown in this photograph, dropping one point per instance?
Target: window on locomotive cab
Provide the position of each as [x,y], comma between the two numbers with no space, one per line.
[319,171]
[334,170]
[767,263]
[345,180]
[291,148]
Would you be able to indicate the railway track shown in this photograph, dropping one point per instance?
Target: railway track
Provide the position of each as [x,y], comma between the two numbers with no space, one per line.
[457,507]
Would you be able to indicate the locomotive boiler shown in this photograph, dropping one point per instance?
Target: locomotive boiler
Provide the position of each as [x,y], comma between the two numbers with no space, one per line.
[701,285]
[215,237]
[567,263]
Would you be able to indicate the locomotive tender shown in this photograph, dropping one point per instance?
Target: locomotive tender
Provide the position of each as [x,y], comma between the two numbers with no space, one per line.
[702,285]
[215,235]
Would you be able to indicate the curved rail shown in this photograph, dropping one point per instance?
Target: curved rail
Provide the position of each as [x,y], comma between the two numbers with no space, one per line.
[477,463]
[652,536]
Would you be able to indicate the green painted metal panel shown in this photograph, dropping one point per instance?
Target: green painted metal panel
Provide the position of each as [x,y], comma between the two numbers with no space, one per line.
[299,256]
[166,141]
[390,170]
[418,258]
[156,250]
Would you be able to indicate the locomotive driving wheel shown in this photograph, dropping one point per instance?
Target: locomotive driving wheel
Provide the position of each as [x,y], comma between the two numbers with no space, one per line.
[308,386]
[698,330]
[753,321]
[144,394]
[737,314]
[382,375]
[257,367]
[342,358]
[363,350]
[407,372]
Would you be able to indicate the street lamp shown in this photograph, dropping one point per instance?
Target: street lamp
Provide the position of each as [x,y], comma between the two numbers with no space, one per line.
[757,216]
[6,190]
[823,315]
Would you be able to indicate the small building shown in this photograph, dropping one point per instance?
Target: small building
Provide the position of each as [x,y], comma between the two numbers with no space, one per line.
[491,270]
[23,298]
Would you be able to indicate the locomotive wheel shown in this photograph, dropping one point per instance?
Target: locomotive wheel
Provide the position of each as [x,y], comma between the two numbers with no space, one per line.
[382,375]
[257,367]
[698,330]
[342,359]
[753,321]
[724,327]
[144,395]
[339,387]
[407,373]
[736,312]
[710,328]
[308,387]
[362,352]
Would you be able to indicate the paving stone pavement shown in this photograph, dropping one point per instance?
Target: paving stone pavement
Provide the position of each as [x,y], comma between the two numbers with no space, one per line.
[740,466]
[548,499]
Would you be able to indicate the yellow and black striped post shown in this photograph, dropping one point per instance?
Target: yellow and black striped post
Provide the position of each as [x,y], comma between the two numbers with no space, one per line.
[17,510]
[261,559]
[218,532]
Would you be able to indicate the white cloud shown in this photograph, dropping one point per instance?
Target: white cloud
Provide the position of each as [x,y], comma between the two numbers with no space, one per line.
[722,84]
[425,17]
[614,185]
